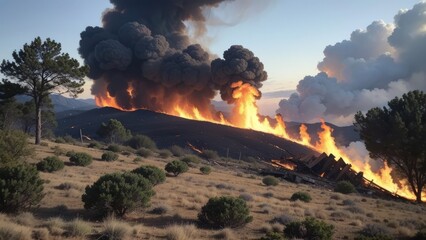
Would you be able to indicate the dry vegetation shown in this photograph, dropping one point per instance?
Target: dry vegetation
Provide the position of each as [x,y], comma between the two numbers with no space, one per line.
[174,208]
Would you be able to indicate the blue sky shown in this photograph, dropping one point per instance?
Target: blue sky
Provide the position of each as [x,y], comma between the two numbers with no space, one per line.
[288,36]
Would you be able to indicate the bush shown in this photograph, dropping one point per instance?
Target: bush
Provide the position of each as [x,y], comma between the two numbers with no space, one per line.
[94,145]
[143,152]
[206,170]
[273,236]
[176,167]
[109,156]
[191,160]
[178,151]
[209,154]
[344,187]
[152,173]
[310,228]
[302,196]
[114,148]
[81,159]
[70,153]
[420,235]
[13,147]
[118,193]
[141,141]
[113,229]
[270,181]
[374,232]
[58,151]
[164,153]
[20,188]
[50,164]
[225,211]
[78,228]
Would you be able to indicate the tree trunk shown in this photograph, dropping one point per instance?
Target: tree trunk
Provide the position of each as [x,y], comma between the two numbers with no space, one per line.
[419,197]
[38,124]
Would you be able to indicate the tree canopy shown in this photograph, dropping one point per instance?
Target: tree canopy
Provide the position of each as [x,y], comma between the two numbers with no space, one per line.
[40,69]
[113,131]
[397,134]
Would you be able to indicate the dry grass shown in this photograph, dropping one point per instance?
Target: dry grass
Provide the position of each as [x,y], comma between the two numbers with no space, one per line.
[78,228]
[13,231]
[41,234]
[115,230]
[183,197]
[181,232]
[226,234]
[26,219]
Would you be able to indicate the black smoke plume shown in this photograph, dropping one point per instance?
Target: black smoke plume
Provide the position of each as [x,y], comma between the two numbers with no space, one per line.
[144,44]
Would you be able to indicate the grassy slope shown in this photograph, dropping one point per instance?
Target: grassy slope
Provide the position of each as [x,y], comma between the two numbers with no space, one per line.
[186,194]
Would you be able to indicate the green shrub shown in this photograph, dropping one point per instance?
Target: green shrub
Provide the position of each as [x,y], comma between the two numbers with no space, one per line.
[302,196]
[178,151]
[141,141]
[420,235]
[59,140]
[310,228]
[374,232]
[20,188]
[191,160]
[206,170]
[152,173]
[68,139]
[44,144]
[81,159]
[164,153]
[176,167]
[109,156]
[58,151]
[225,211]
[144,152]
[70,153]
[344,187]
[118,193]
[50,164]
[209,154]
[270,181]
[94,145]
[114,148]
[13,147]
[273,236]
[137,159]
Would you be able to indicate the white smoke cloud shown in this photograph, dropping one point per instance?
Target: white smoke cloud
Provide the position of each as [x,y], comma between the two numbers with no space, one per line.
[366,71]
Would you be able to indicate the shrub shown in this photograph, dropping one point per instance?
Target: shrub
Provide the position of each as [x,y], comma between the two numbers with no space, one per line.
[191,160]
[21,188]
[246,197]
[13,147]
[58,151]
[206,170]
[70,153]
[225,211]
[209,154]
[420,235]
[165,153]
[177,151]
[118,193]
[81,159]
[137,159]
[141,141]
[273,236]
[12,231]
[176,167]
[94,145]
[310,228]
[162,209]
[270,181]
[374,231]
[302,196]
[152,173]
[143,152]
[114,148]
[50,164]
[344,187]
[68,139]
[181,232]
[109,156]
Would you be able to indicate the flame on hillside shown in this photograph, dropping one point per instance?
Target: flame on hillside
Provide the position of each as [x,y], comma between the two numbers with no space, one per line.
[245,115]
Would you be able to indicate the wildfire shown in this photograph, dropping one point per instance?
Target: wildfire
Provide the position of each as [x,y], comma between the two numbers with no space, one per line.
[245,114]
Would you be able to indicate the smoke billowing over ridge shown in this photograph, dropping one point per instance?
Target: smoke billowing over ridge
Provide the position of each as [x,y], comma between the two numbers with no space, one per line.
[142,57]
[372,67]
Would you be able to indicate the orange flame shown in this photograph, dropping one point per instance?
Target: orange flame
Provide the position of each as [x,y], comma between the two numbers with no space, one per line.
[245,114]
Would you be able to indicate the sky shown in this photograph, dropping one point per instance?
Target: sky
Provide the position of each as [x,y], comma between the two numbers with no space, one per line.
[289,37]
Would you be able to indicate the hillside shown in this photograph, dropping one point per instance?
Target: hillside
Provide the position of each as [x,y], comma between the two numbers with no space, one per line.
[168,130]
[182,198]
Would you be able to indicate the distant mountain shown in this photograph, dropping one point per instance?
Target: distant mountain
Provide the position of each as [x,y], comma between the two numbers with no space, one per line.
[62,104]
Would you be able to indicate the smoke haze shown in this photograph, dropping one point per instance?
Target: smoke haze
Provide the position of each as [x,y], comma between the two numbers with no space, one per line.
[372,67]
